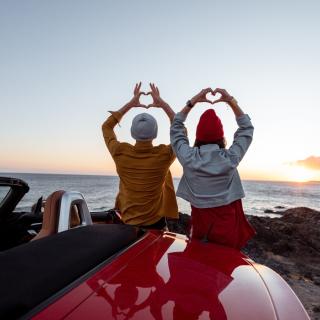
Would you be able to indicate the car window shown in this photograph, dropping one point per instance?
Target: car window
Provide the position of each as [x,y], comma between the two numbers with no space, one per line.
[4,190]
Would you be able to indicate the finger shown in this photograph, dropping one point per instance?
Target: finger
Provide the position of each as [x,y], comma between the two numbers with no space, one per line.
[212,92]
[151,105]
[155,91]
[209,101]
[204,92]
[219,90]
[158,92]
[225,93]
[142,106]
[152,89]
[217,101]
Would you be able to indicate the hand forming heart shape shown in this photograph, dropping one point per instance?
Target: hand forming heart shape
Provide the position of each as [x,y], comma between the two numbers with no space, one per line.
[158,102]
[143,104]
[202,96]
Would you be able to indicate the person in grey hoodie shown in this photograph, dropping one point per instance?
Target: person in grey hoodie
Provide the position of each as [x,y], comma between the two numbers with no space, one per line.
[210,180]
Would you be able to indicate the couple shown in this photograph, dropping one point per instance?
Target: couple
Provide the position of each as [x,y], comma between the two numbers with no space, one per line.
[210,180]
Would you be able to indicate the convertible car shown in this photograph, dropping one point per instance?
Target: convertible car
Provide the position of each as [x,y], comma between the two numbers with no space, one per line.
[68,263]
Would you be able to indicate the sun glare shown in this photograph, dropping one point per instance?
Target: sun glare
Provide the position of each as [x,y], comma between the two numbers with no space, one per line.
[300,174]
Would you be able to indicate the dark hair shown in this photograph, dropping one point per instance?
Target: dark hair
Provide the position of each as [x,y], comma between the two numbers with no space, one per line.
[222,143]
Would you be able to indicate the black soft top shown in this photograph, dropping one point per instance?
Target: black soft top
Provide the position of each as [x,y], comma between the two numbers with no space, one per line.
[33,272]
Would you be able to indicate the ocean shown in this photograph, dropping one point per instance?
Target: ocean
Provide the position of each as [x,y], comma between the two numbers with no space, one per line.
[100,192]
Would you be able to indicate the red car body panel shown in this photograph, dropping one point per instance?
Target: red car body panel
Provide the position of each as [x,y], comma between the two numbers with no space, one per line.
[165,276]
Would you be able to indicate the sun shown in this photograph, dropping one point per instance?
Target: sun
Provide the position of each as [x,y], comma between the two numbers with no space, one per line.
[299,174]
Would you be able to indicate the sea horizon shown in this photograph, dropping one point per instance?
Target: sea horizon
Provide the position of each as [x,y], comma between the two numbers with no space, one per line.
[115,175]
[263,197]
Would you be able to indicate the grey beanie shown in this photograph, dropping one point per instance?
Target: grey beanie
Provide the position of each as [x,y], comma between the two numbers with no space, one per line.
[144,127]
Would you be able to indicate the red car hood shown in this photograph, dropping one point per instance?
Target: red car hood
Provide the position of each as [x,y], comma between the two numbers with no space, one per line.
[164,276]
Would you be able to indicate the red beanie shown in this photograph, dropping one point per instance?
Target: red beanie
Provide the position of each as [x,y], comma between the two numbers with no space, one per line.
[209,128]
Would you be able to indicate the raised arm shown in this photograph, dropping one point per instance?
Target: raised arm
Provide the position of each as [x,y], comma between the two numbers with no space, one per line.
[178,133]
[200,97]
[135,101]
[230,100]
[244,134]
[110,137]
[158,102]
[242,137]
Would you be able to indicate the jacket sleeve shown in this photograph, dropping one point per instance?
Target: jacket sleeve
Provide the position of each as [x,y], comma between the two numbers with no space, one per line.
[242,139]
[109,136]
[179,139]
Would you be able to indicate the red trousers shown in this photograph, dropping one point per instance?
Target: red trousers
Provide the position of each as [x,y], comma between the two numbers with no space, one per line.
[225,225]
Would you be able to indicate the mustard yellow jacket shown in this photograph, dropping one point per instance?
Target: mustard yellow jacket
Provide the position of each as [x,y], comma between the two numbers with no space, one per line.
[146,191]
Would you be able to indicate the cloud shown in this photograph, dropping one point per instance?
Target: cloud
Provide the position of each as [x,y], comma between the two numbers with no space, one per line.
[311,162]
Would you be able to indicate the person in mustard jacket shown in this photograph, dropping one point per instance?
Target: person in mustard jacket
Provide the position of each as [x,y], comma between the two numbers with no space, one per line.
[146,193]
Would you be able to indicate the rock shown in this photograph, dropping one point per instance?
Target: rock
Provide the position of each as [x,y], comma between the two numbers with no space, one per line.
[290,245]
[296,233]
[316,280]
[282,247]
[279,207]
[268,211]
[180,225]
[316,308]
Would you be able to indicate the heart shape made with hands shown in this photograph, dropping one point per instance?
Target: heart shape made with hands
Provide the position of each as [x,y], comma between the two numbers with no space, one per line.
[216,95]
[146,105]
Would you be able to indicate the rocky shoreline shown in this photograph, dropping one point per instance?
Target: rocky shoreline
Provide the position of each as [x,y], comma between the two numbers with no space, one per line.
[290,245]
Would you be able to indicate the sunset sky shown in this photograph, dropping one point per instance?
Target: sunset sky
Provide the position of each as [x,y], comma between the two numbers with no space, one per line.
[64,64]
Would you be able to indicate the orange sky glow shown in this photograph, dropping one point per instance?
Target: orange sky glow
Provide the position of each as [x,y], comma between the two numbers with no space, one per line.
[63,67]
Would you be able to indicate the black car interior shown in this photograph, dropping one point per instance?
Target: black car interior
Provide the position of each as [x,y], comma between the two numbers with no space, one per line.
[33,271]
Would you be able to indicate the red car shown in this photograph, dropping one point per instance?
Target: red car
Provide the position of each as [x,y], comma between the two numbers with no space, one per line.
[114,271]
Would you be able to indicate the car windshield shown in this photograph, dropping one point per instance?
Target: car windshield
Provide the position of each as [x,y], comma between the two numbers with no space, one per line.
[4,190]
